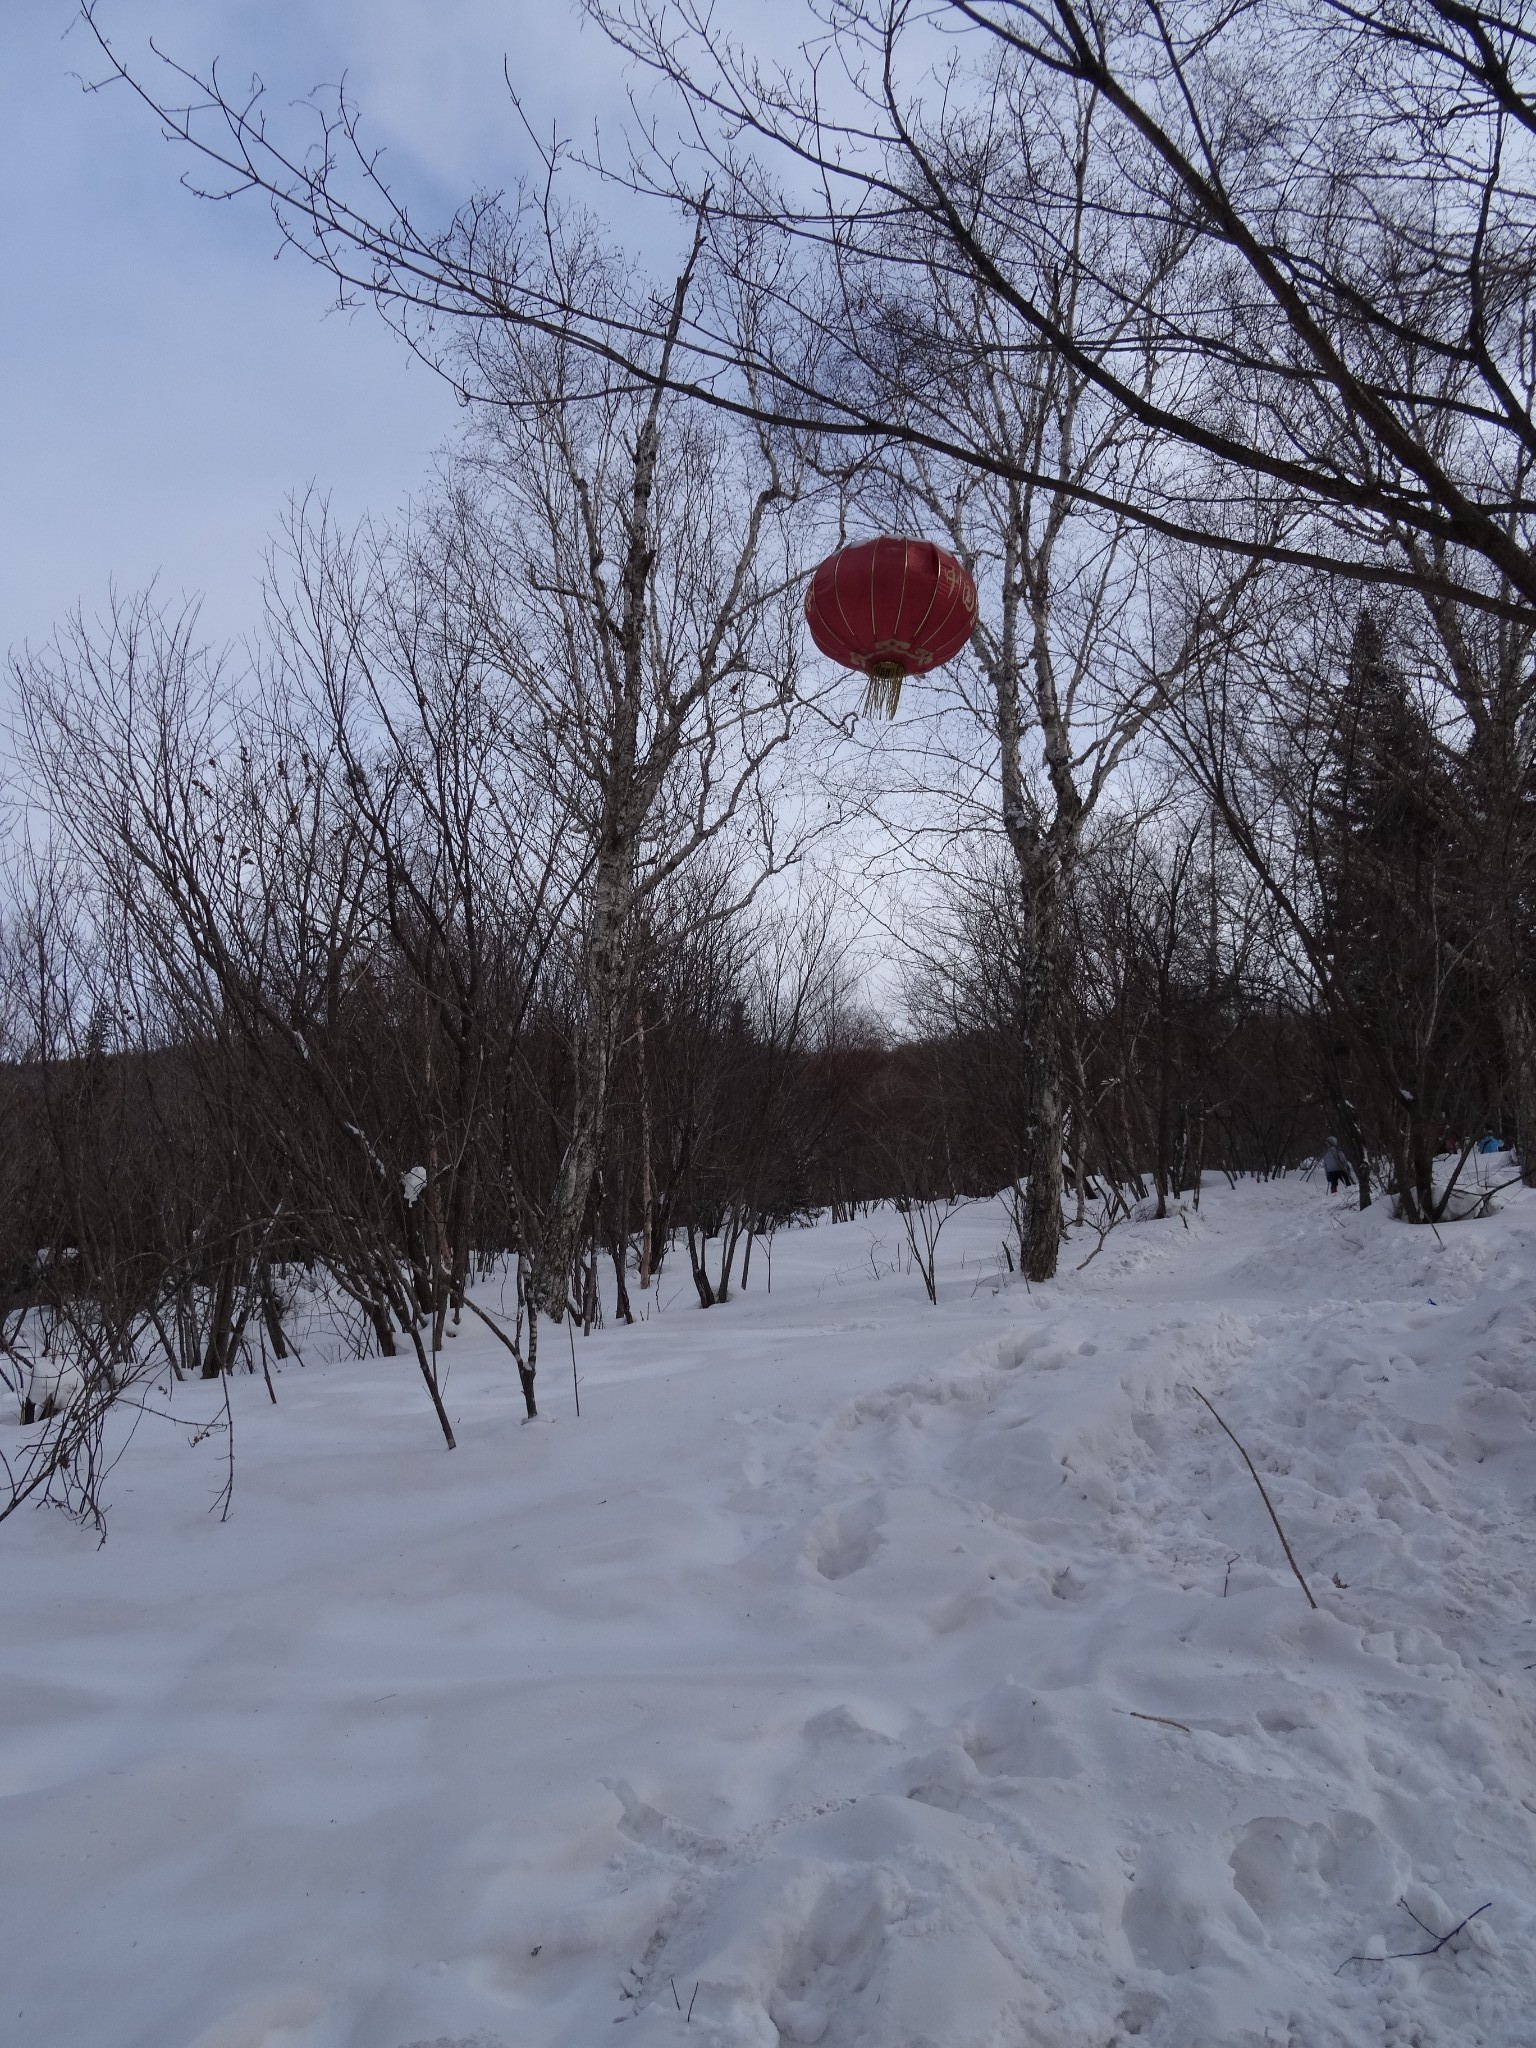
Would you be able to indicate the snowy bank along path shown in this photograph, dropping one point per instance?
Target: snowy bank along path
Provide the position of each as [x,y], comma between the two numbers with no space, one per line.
[851,1672]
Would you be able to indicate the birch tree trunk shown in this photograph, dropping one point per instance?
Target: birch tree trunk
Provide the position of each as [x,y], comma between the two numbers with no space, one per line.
[1043,848]
[1040,1241]
[666,683]
[606,989]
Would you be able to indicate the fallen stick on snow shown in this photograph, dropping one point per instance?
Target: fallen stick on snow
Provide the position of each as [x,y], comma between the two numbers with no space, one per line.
[1290,1554]
[1404,1955]
[1162,1720]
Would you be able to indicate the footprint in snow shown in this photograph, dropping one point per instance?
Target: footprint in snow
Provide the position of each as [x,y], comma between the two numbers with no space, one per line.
[1340,1871]
[644,1823]
[845,1540]
[1008,1734]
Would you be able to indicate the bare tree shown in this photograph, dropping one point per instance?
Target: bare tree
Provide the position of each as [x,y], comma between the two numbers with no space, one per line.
[638,574]
[1349,186]
[1323,763]
[1050,715]
[1482,680]
[243,874]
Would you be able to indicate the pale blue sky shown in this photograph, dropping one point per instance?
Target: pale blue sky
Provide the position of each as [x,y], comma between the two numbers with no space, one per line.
[164,384]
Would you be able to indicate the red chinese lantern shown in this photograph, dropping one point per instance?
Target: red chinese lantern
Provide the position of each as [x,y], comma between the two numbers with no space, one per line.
[892,609]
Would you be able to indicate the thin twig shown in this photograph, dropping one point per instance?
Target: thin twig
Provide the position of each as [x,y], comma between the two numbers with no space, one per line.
[1162,1720]
[1406,1955]
[570,1331]
[1103,1233]
[494,1327]
[1264,1492]
[228,1494]
[689,2019]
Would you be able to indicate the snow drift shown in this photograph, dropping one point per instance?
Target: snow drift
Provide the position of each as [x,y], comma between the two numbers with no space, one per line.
[852,1672]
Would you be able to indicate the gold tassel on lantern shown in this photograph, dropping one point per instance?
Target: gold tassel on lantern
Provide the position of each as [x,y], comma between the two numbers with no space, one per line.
[883,692]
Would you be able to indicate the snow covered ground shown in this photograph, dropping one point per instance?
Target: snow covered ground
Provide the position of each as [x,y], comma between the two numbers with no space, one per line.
[852,1671]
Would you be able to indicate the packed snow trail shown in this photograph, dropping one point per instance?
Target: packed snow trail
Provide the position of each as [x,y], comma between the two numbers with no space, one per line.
[852,1672]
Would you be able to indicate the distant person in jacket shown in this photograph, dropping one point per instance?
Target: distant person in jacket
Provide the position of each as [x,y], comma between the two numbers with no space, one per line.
[1336,1166]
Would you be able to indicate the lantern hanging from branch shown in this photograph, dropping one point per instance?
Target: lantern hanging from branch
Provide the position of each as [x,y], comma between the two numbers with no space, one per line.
[890,608]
